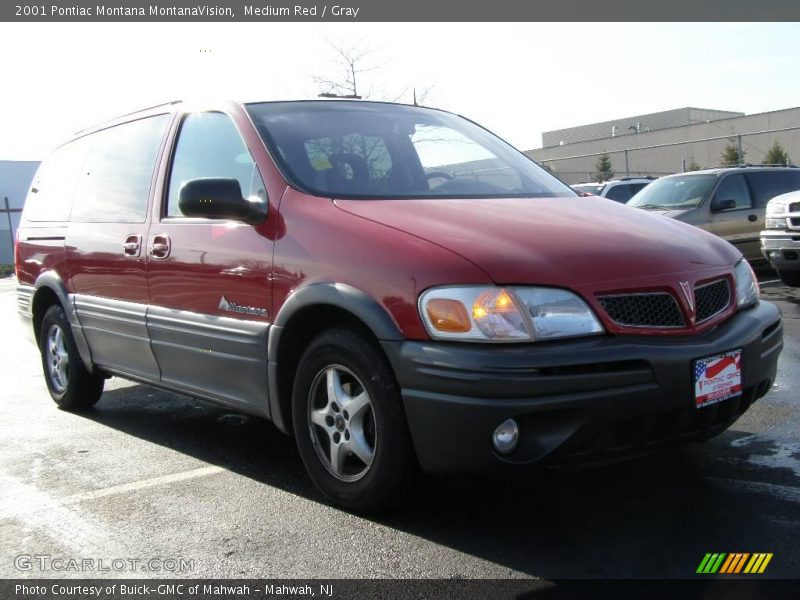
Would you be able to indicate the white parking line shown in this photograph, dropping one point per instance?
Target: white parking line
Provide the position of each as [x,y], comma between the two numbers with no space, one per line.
[142,484]
[67,524]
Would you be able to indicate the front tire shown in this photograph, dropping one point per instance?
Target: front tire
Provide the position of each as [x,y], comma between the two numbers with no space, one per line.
[71,386]
[349,422]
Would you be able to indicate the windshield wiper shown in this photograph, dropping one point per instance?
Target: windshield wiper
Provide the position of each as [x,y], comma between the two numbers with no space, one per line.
[657,206]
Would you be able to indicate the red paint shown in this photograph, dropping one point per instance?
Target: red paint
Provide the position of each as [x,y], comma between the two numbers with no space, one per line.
[390,249]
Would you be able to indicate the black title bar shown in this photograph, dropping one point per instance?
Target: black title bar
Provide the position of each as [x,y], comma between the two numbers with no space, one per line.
[402,10]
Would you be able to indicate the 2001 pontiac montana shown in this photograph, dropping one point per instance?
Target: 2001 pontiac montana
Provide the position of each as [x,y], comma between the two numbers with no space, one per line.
[394,286]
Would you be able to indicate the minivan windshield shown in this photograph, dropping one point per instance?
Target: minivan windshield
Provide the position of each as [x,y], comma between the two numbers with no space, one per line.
[674,193]
[352,149]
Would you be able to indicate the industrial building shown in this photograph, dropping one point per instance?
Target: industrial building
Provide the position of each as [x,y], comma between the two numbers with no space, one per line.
[668,142]
[633,125]
[15,179]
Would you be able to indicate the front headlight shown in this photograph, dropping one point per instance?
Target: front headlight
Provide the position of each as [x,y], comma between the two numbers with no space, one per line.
[747,292]
[775,223]
[494,314]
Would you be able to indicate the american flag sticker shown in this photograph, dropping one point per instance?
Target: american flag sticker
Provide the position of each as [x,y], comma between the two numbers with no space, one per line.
[717,378]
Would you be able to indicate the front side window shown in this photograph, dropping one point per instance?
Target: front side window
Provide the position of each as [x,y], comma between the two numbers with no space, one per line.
[209,146]
[375,150]
[678,192]
[734,187]
[115,181]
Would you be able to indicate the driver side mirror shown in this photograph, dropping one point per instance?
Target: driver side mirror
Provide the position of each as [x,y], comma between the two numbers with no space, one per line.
[720,204]
[220,198]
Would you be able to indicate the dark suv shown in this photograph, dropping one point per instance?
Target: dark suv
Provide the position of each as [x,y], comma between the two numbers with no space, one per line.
[729,202]
[353,272]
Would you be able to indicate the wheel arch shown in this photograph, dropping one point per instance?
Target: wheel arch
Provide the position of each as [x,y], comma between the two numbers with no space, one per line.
[307,312]
[50,289]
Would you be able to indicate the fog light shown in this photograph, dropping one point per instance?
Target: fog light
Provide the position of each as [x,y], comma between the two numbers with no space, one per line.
[506,436]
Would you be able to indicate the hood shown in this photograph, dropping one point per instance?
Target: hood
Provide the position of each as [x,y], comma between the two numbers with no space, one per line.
[552,241]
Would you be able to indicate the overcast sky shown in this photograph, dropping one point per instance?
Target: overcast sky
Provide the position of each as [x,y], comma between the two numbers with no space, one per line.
[516,79]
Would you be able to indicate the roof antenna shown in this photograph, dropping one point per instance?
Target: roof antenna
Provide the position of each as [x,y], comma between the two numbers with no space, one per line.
[415,97]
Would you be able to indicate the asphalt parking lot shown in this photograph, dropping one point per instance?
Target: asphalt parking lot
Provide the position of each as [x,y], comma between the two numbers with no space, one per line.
[149,474]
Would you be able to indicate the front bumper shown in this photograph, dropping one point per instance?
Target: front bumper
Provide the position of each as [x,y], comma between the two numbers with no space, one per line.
[781,249]
[574,398]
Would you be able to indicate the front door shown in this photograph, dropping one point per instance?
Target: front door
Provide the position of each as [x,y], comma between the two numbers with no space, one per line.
[210,280]
[740,224]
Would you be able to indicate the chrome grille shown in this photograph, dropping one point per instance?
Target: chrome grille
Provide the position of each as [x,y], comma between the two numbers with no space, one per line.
[657,309]
[711,299]
[794,207]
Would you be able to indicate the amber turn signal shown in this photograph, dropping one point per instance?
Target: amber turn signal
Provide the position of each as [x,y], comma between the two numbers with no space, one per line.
[448,315]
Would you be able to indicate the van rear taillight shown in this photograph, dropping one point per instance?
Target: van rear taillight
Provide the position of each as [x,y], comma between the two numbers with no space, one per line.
[16,254]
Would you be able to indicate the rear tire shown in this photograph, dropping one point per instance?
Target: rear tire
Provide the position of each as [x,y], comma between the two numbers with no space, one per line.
[71,386]
[349,422]
[791,278]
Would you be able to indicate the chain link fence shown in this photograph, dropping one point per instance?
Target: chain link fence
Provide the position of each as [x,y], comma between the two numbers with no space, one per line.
[676,157]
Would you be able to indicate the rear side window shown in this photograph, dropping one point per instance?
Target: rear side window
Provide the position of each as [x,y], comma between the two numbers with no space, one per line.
[53,187]
[210,146]
[115,182]
[619,193]
[768,184]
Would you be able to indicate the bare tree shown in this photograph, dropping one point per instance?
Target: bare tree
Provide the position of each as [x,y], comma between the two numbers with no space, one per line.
[347,66]
[348,76]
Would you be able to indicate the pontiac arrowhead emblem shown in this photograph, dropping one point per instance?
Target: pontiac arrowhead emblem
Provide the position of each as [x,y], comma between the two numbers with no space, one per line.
[687,293]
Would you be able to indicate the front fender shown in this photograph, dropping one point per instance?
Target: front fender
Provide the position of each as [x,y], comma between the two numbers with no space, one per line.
[340,295]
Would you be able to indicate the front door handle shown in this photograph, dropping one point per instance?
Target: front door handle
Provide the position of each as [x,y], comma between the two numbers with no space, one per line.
[752,218]
[160,246]
[132,245]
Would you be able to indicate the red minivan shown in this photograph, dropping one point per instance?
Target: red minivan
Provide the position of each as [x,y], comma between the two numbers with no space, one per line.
[392,285]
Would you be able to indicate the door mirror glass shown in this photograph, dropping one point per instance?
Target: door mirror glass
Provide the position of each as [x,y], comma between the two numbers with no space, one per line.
[220,198]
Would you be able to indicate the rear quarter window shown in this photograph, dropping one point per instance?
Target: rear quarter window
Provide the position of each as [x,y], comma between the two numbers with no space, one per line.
[53,187]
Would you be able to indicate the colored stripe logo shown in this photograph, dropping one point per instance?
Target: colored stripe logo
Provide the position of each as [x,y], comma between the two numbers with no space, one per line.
[734,563]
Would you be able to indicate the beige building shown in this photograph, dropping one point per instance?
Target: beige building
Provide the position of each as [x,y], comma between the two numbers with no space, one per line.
[671,149]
